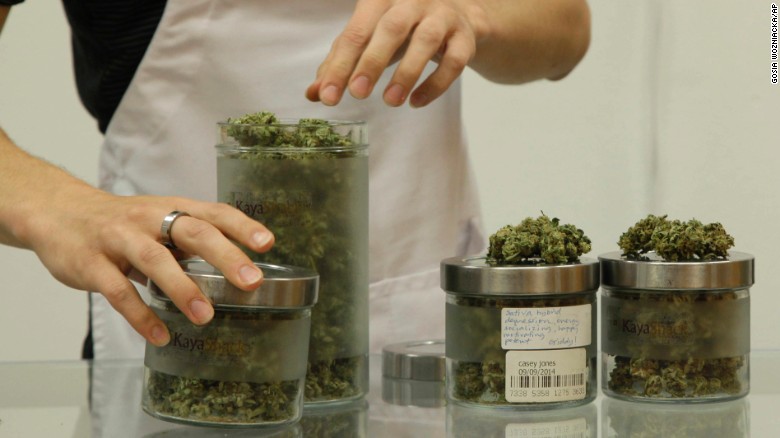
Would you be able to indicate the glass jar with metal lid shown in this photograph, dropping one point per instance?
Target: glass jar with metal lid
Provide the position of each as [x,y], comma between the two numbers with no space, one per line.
[520,336]
[675,331]
[245,368]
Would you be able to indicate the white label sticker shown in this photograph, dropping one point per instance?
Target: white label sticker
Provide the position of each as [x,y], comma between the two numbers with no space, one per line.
[541,328]
[574,428]
[545,376]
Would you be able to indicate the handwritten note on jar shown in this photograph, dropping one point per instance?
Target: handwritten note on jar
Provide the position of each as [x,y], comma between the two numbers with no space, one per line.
[544,328]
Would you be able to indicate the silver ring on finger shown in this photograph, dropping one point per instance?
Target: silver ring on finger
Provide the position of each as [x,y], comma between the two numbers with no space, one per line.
[167,227]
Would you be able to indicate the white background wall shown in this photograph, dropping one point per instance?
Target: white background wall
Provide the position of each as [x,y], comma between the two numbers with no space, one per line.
[672,111]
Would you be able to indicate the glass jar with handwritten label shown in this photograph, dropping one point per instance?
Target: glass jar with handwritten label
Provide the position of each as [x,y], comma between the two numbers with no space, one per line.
[247,366]
[520,336]
[675,331]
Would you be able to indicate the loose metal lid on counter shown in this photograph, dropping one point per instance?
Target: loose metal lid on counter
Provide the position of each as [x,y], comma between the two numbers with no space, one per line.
[283,287]
[413,373]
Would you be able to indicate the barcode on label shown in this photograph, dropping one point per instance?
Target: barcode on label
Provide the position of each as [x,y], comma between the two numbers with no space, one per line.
[575,428]
[566,380]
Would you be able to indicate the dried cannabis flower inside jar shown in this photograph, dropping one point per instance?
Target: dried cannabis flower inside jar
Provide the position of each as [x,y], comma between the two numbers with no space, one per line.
[676,313]
[307,181]
[520,322]
[265,129]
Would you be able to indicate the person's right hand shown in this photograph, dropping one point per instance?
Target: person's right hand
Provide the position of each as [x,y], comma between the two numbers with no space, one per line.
[410,32]
[92,240]
[505,41]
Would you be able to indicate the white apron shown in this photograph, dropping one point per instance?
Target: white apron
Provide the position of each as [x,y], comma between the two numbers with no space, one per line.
[213,59]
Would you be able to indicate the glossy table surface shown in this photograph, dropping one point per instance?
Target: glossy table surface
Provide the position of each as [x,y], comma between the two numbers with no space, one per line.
[102,399]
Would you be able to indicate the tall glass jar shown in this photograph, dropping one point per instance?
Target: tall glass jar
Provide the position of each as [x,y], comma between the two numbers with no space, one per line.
[308,183]
[522,336]
[247,366]
[676,331]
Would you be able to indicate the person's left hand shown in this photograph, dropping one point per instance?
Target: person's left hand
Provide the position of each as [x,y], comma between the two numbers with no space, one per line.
[411,31]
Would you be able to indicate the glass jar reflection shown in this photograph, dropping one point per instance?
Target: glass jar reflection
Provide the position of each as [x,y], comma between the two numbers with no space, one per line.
[468,421]
[645,420]
[345,420]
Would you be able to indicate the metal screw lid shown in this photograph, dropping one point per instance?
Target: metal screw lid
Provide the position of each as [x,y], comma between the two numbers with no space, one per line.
[283,287]
[413,373]
[415,360]
[474,276]
[737,271]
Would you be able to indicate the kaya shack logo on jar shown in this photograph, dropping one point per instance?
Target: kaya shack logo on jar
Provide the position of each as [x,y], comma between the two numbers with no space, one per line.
[284,204]
[211,346]
[671,330]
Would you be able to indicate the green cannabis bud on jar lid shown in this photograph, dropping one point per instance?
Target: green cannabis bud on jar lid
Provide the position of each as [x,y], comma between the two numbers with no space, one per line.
[663,254]
[675,240]
[535,241]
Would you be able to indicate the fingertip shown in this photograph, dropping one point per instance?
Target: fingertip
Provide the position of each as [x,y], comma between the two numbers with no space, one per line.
[202,312]
[360,87]
[395,95]
[250,275]
[313,92]
[263,240]
[330,95]
[419,99]
[160,336]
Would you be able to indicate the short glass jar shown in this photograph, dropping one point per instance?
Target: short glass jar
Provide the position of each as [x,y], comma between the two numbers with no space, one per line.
[675,331]
[245,368]
[520,336]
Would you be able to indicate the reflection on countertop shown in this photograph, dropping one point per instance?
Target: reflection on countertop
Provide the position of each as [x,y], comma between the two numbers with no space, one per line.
[699,420]
[475,421]
[102,400]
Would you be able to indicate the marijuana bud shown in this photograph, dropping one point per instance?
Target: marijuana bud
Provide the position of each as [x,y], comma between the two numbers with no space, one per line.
[638,238]
[675,240]
[540,240]
[266,130]
[257,128]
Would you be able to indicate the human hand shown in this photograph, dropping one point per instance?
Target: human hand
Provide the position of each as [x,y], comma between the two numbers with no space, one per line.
[411,31]
[92,240]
